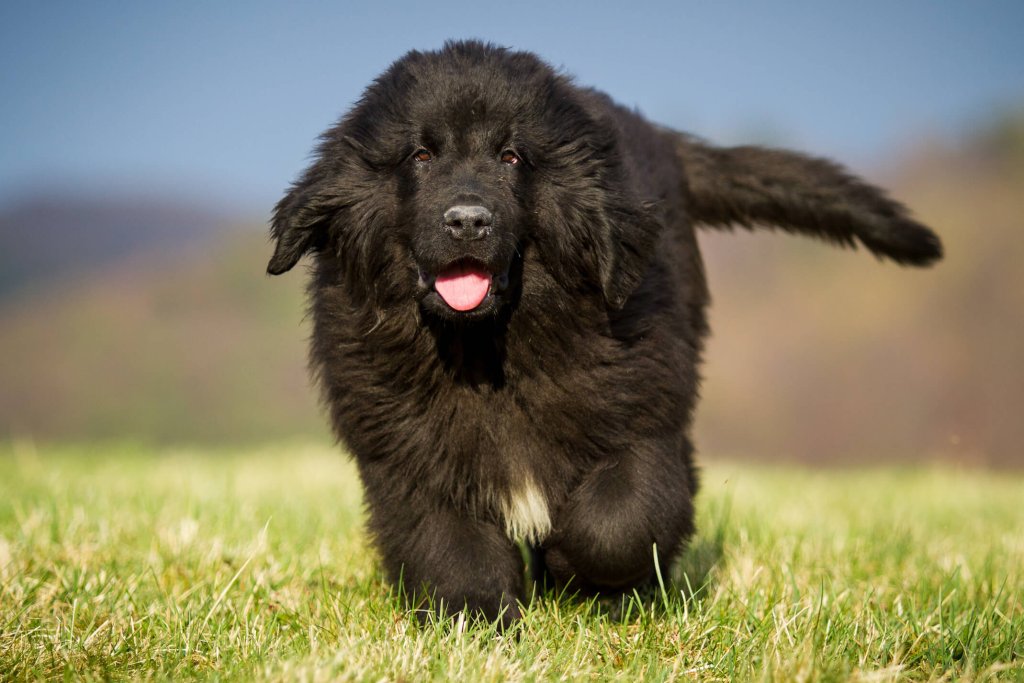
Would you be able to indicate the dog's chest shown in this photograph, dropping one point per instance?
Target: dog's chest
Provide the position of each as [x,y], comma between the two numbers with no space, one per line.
[513,467]
[524,510]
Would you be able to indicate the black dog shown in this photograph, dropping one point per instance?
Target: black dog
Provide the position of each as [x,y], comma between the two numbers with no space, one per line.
[508,305]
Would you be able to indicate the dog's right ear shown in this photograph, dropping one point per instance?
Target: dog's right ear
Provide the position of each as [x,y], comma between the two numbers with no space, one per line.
[300,222]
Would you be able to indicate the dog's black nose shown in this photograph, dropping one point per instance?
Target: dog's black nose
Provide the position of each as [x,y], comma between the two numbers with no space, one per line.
[468,222]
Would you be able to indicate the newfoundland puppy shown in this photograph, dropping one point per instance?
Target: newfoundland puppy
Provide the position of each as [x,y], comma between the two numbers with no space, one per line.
[508,308]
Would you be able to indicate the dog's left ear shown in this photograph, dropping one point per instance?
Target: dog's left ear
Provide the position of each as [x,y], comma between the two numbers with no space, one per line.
[626,238]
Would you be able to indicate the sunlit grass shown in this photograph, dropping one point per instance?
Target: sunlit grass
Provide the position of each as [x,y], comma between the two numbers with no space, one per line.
[123,562]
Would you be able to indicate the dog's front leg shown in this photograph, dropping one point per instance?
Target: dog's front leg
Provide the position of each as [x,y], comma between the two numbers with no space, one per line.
[605,535]
[449,561]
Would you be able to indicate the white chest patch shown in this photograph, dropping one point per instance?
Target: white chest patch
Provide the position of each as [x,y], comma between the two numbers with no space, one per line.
[526,514]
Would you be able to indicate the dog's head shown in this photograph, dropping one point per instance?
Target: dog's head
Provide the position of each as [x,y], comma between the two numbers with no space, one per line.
[453,172]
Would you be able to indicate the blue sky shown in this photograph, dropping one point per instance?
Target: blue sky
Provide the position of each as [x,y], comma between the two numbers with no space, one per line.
[222,101]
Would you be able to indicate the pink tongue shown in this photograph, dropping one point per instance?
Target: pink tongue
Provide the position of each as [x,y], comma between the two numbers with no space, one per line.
[463,287]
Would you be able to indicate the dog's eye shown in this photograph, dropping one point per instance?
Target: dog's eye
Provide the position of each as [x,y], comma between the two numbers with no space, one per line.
[509,157]
[422,155]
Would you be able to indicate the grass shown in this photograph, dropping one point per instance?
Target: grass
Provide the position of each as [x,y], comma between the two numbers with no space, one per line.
[123,562]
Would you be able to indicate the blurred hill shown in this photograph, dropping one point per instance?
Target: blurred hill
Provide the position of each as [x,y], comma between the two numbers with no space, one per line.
[50,236]
[821,355]
[817,354]
[187,344]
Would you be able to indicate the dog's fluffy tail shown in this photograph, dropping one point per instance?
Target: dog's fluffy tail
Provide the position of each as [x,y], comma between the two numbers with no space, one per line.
[758,187]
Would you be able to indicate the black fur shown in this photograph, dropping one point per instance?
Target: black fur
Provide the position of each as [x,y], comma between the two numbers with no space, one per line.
[577,374]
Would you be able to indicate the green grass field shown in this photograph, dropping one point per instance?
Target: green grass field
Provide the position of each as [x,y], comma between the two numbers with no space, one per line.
[125,562]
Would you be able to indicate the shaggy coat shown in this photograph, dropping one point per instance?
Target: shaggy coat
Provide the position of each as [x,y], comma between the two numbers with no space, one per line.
[508,309]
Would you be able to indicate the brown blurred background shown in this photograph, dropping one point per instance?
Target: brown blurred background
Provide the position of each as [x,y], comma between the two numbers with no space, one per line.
[143,146]
[871,362]
[875,362]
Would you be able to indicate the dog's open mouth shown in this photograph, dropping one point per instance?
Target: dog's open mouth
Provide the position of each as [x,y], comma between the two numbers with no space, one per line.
[465,285]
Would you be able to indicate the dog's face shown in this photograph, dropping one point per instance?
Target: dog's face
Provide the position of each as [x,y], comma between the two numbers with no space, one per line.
[452,174]
[464,189]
